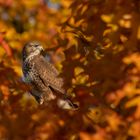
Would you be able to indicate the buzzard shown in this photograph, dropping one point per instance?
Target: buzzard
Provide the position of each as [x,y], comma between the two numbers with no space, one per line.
[43,77]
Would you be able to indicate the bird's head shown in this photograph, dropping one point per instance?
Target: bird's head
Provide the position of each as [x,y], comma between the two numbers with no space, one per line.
[31,49]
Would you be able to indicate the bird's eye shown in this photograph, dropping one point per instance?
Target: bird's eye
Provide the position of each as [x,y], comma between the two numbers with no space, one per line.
[36,45]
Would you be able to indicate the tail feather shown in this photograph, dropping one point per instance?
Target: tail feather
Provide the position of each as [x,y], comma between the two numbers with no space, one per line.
[66,104]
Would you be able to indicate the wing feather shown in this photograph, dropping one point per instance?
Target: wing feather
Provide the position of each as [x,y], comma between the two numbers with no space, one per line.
[49,74]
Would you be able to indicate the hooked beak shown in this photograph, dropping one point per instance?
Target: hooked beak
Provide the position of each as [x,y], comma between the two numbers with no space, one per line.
[40,48]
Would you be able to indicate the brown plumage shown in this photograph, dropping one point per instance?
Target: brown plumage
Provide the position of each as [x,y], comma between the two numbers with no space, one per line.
[43,77]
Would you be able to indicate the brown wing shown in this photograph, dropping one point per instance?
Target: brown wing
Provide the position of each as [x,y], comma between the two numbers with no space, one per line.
[49,66]
[48,74]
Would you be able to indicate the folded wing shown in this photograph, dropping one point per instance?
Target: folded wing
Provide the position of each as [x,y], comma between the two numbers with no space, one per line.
[49,75]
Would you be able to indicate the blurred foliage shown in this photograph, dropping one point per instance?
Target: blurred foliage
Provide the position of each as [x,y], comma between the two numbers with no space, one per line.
[95,45]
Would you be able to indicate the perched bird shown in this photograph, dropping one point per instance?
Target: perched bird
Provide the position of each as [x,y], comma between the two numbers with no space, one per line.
[43,77]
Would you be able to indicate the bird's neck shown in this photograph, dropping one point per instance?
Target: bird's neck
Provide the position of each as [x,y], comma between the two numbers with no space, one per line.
[32,56]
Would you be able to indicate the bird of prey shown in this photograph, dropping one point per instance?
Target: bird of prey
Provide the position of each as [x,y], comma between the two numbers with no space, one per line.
[43,77]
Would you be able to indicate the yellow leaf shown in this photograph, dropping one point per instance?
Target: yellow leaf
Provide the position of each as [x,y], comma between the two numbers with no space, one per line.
[17,69]
[81,79]
[78,70]
[84,9]
[125,23]
[107,18]
[133,102]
